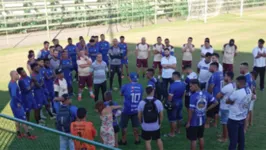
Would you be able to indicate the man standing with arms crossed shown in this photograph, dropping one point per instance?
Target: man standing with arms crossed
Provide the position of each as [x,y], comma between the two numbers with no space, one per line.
[187,51]
[229,52]
[115,55]
[168,63]
[143,54]
[85,78]
[157,51]
[259,54]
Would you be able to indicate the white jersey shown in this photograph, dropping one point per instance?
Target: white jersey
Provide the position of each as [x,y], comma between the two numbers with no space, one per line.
[227,90]
[60,86]
[143,50]
[159,48]
[241,98]
[205,50]
[204,73]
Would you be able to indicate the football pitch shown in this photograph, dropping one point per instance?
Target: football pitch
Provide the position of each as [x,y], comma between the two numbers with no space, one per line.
[246,31]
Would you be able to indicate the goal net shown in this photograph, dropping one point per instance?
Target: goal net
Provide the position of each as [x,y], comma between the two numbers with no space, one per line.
[203,9]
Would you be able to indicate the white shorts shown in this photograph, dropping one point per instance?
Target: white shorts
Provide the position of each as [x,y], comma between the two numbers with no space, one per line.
[251,106]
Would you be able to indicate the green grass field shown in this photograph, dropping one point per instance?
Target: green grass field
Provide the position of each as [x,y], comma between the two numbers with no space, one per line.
[246,31]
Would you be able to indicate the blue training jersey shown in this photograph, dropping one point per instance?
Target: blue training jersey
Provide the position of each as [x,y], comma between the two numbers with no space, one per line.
[93,50]
[24,85]
[177,90]
[49,83]
[104,47]
[107,103]
[132,93]
[199,102]
[217,80]
[14,93]
[43,54]
[123,48]
[66,65]
[248,80]
[72,52]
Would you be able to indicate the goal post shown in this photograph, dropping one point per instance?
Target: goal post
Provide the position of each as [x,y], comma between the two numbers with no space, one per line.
[205,9]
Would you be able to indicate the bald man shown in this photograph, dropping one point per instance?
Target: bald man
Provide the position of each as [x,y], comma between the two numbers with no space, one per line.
[143,54]
[115,54]
[16,104]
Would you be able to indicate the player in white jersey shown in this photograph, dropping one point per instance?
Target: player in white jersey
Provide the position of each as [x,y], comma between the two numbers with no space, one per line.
[143,54]
[158,49]
[203,70]
[226,91]
[238,110]
[206,48]
[215,58]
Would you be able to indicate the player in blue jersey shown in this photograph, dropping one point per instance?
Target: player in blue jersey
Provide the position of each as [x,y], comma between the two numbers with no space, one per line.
[154,82]
[176,92]
[16,104]
[132,93]
[104,47]
[44,53]
[108,101]
[198,107]
[72,53]
[66,65]
[81,45]
[249,120]
[215,85]
[124,61]
[49,82]
[245,72]
[93,49]
[26,87]
[190,76]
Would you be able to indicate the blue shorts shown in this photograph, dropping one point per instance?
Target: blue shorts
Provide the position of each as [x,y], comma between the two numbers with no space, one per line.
[28,102]
[124,61]
[176,113]
[50,93]
[40,98]
[18,113]
[224,116]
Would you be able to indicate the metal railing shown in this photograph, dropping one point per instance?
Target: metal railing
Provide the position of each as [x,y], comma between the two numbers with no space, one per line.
[48,130]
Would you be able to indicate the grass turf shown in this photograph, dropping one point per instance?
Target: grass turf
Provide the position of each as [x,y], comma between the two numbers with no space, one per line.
[246,31]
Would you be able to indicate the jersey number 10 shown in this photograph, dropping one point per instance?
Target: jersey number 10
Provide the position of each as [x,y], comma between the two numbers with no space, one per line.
[135,97]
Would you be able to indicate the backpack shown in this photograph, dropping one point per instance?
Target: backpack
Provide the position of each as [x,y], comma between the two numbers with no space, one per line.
[150,112]
[63,119]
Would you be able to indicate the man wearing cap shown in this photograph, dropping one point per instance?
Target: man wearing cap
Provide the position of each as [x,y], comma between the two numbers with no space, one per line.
[229,52]
[85,77]
[60,88]
[132,93]
[65,112]
[206,48]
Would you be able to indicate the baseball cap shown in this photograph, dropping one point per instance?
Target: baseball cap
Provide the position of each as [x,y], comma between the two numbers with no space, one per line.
[65,97]
[133,76]
[58,71]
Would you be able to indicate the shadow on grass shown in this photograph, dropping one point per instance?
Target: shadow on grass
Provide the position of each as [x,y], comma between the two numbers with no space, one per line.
[49,141]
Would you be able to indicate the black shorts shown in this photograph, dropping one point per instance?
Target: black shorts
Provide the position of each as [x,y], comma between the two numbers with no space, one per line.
[116,128]
[125,118]
[195,132]
[187,101]
[151,135]
[212,112]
